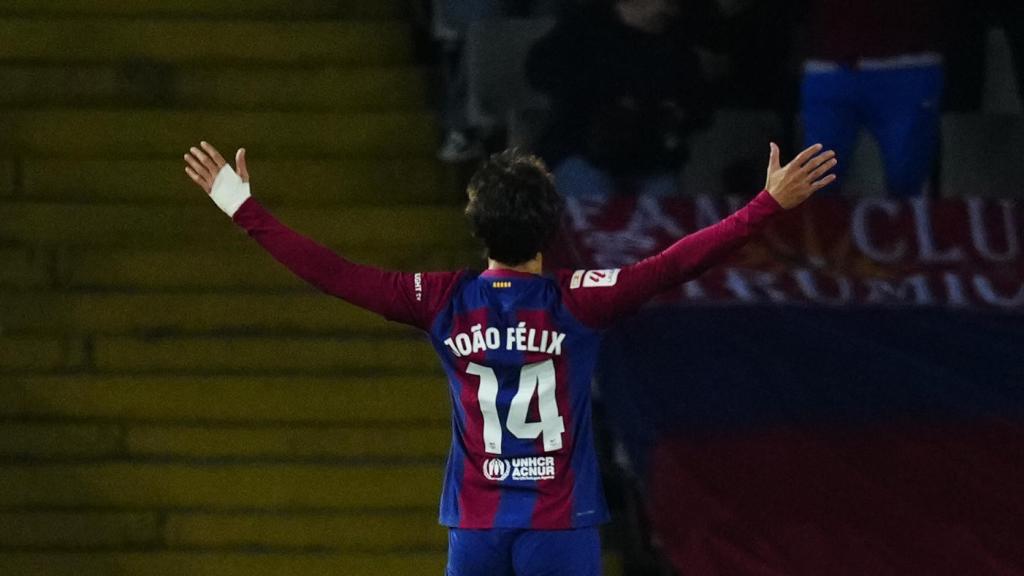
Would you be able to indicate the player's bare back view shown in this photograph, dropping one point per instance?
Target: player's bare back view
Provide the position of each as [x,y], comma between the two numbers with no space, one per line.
[522,492]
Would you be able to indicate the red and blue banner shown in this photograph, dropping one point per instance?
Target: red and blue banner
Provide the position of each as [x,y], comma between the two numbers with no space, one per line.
[874,251]
[861,411]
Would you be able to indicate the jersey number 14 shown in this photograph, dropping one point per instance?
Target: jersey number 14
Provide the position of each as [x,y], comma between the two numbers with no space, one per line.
[534,379]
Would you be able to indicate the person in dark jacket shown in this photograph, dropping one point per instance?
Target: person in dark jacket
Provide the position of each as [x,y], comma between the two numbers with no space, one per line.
[626,90]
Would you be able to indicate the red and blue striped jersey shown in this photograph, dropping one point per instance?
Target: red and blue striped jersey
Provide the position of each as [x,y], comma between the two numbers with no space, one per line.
[519,351]
[519,366]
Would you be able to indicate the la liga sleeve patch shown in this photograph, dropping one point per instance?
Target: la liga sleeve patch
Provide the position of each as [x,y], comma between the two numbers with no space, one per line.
[594,278]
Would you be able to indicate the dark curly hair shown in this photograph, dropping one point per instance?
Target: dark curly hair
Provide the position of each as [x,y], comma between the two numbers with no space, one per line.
[513,207]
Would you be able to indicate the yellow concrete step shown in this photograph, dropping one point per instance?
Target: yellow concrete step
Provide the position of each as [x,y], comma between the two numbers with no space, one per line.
[58,439]
[247,268]
[263,486]
[275,354]
[324,88]
[43,529]
[258,398]
[349,534]
[396,228]
[237,313]
[292,182]
[163,134]
[210,8]
[205,41]
[236,564]
[286,442]
[6,178]
[342,531]
[23,268]
[221,564]
[54,440]
[42,353]
[381,532]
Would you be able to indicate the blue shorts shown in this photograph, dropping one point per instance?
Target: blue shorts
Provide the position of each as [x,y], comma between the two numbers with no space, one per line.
[900,107]
[508,552]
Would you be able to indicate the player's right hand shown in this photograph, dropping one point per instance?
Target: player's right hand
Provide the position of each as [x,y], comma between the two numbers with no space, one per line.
[204,163]
[806,174]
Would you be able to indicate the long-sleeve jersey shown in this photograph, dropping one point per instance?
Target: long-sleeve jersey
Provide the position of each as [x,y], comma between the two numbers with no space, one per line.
[519,351]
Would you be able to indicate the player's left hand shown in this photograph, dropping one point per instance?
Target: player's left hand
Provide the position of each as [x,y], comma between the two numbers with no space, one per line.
[806,174]
[204,163]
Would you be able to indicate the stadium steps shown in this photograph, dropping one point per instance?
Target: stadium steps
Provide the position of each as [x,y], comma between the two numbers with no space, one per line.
[375,181]
[137,225]
[270,486]
[314,355]
[271,401]
[163,134]
[210,9]
[221,563]
[219,354]
[143,271]
[49,440]
[139,84]
[159,313]
[40,353]
[173,401]
[22,267]
[7,177]
[232,564]
[188,40]
[352,531]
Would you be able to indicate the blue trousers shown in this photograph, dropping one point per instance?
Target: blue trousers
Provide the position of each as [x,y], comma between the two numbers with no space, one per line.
[900,107]
[505,552]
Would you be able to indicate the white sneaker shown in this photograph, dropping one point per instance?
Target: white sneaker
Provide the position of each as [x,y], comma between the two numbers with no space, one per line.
[459,147]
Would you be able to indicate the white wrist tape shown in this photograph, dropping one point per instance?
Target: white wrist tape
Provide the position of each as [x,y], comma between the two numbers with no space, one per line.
[229,192]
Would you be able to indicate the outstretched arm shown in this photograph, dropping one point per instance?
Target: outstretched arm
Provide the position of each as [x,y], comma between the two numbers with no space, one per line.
[403,297]
[600,297]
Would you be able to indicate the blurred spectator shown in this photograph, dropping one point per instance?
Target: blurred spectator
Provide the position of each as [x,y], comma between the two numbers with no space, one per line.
[966,50]
[1010,15]
[451,19]
[876,64]
[755,40]
[626,89]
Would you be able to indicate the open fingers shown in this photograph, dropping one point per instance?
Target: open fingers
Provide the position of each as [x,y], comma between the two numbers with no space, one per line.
[819,184]
[197,166]
[817,161]
[208,162]
[214,154]
[814,164]
[806,155]
[199,180]
[823,167]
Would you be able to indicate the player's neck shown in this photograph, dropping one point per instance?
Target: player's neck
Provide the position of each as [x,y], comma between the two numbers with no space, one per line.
[535,266]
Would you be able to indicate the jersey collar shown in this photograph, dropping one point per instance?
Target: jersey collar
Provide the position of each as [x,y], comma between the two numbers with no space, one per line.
[506,273]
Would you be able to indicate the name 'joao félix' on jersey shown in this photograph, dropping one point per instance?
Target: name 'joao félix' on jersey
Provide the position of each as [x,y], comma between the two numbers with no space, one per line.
[520,338]
[519,351]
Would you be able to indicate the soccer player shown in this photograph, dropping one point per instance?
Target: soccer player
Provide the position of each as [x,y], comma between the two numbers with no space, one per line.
[522,492]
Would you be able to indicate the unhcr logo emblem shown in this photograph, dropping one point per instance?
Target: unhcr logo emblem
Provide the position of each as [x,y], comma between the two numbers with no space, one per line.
[496,469]
[526,468]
